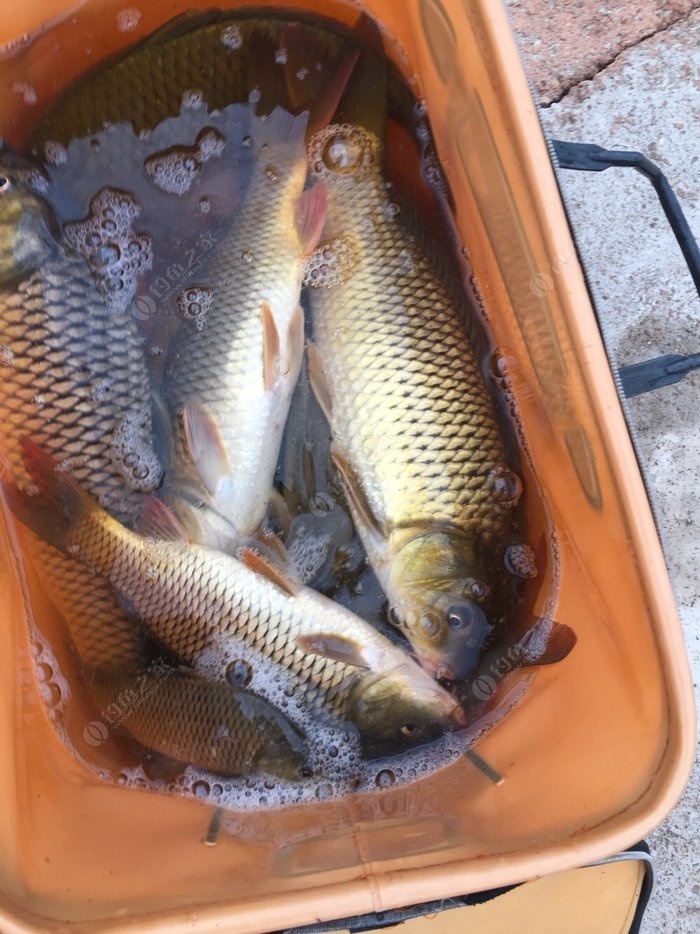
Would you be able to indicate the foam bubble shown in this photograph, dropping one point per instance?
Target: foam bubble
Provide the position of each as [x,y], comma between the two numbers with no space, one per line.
[231,36]
[115,254]
[55,153]
[193,304]
[175,171]
[192,100]
[308,552]
[132,454]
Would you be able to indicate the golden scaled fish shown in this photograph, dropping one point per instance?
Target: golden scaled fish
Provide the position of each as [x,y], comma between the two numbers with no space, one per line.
[230,374]
[222,57]
[75,374]
[227,732]
[193,598]
[417,441]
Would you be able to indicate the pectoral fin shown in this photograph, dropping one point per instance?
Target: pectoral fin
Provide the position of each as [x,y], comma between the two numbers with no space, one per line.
[157,520]
[331,645]
[546,642]
[317,378]
[205,446]
[271,348]
[310,216]
[254,561]
[363,515]
[58,503]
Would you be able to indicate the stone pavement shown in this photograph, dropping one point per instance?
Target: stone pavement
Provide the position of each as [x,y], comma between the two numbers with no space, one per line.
[626,75]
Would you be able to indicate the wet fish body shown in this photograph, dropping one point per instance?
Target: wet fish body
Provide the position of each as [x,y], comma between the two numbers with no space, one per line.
[191,598]
[237,371]
[74,376]
[262,740]
[417,440]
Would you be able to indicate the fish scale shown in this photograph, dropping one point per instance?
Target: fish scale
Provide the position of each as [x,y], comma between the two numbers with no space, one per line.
[201,736]
[59,341]
[56,355]
[196,600]
[220,367]
[416,434]
[194,597]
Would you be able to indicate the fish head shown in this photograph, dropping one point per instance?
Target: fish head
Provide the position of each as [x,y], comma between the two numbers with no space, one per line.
[284,752]
[28,228]
[400,708]
[437,598]
[285,761]
[342,155]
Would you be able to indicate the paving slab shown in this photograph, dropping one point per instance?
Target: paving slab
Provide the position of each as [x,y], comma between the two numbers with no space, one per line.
[568,41]
[648,99]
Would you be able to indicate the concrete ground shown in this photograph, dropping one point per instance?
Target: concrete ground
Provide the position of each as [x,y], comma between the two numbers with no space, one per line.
[626,75]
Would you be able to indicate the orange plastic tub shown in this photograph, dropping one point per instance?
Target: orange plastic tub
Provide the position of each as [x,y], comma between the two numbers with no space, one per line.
[600,748]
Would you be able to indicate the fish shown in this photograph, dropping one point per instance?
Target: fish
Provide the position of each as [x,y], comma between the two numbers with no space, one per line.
[229,380]
[192,597]
[76,374]
[262,740]
[222,57]
[417,440]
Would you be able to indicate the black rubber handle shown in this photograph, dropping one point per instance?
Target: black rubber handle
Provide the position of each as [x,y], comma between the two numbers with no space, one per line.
[587,157]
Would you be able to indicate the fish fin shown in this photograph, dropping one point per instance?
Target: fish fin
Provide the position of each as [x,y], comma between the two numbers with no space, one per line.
[333,646]
[295,339]
[31,512]
[270,547]
[205,446]
[310,216]
[319,89]
[254,561]
[283,127]
[271,348]
[58,503]
[274,544]
[157,520]
[325,104]
[560,640]
[317,378]
[355,494]
[163,441]
[158,765]
[278,511]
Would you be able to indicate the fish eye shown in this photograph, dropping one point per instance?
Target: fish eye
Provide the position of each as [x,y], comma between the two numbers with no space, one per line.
[460,616]
[408,729]
[6,184]
[393,616]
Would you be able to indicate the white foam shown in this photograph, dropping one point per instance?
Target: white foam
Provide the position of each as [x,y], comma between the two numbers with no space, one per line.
[174,172]
[232,37]
[132,453]
[116,254]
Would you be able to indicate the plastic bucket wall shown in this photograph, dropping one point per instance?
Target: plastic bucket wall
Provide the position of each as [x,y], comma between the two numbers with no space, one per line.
[600,748]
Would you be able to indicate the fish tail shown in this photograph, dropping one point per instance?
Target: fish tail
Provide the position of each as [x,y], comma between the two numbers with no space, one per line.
[57,505]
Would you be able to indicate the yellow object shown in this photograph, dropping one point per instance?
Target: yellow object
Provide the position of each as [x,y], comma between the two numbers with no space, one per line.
[596,898]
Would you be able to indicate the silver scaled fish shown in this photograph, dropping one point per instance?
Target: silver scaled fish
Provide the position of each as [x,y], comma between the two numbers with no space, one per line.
[192,598]
[74,376]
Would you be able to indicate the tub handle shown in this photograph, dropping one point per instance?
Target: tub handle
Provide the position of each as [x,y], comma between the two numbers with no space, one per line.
[587,157]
